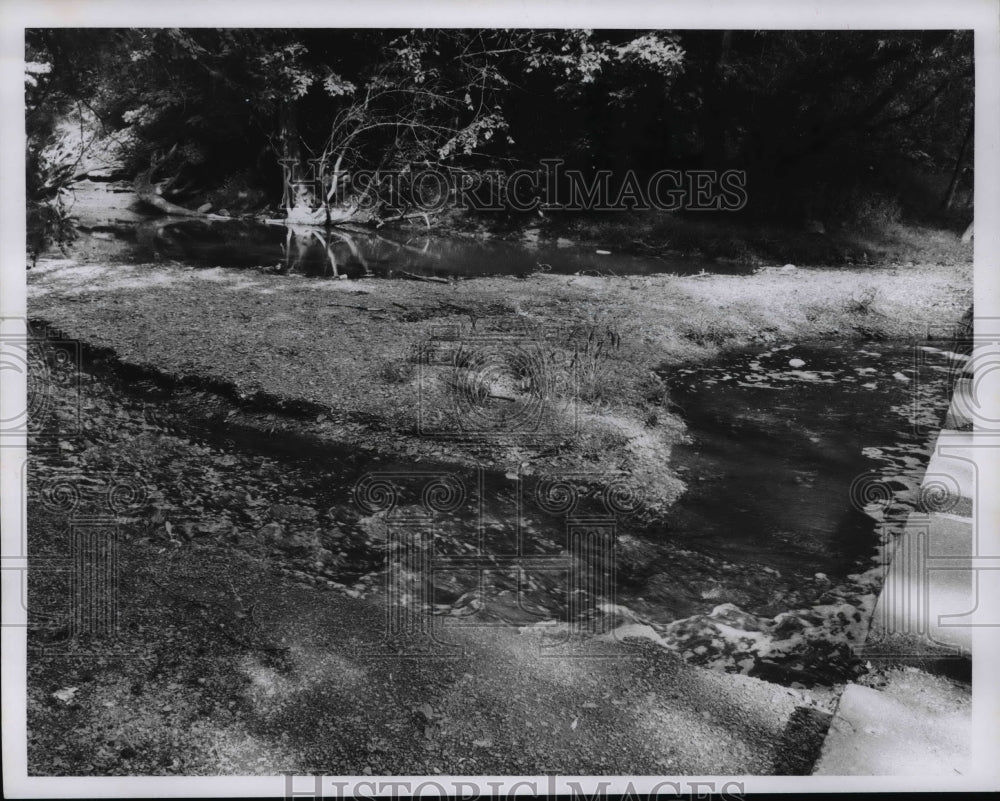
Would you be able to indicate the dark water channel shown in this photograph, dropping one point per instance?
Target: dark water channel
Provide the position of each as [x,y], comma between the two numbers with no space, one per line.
[356,253]
[775,449]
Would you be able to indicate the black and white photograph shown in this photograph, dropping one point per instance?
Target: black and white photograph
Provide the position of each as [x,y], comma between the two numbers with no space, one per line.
[484,401]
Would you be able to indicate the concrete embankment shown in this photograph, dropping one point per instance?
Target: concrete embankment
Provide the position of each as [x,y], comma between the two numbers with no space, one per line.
[914,717]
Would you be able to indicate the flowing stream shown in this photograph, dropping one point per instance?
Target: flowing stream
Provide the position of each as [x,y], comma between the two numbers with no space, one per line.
[767,564]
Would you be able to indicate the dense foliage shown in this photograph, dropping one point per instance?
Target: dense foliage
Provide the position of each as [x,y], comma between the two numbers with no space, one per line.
[821,121]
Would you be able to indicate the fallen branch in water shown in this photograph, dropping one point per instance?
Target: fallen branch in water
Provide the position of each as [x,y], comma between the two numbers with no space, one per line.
[406,216]
[430,278]
[150,193]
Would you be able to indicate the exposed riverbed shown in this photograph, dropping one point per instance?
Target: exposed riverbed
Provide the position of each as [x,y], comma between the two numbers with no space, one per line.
[766,530]
[260,438]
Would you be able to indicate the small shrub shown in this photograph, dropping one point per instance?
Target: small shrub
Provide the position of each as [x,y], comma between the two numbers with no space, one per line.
[598,442]
[873,211]
[863,303]
[48,224]
[591,359]
[237,193]
[873,332]
[709,332]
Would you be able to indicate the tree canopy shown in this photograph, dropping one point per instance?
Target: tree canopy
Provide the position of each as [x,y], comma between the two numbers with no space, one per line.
[809,115]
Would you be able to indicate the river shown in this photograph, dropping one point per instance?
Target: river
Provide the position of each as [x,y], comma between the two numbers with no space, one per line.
[772,526]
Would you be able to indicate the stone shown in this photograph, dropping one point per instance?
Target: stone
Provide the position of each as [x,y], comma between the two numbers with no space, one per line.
[271,533]
[949,485]
[375,527]
[961,413]
[530,236]
[919,725]
[291,511]
[929,589]
[303,541]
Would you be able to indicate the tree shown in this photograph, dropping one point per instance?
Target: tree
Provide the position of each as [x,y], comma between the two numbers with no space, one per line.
[808,114]
[804,112]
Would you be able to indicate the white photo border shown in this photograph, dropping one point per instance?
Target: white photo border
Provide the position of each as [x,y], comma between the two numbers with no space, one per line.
[983,16]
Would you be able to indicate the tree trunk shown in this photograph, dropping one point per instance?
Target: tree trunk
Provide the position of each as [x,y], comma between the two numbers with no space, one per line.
[148,193]
[291,154]
[956,176]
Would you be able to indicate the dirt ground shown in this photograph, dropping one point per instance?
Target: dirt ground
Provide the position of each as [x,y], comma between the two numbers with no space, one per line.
[224,666]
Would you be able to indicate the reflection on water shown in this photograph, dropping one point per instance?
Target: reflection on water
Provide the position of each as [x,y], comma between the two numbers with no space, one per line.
[356,252]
